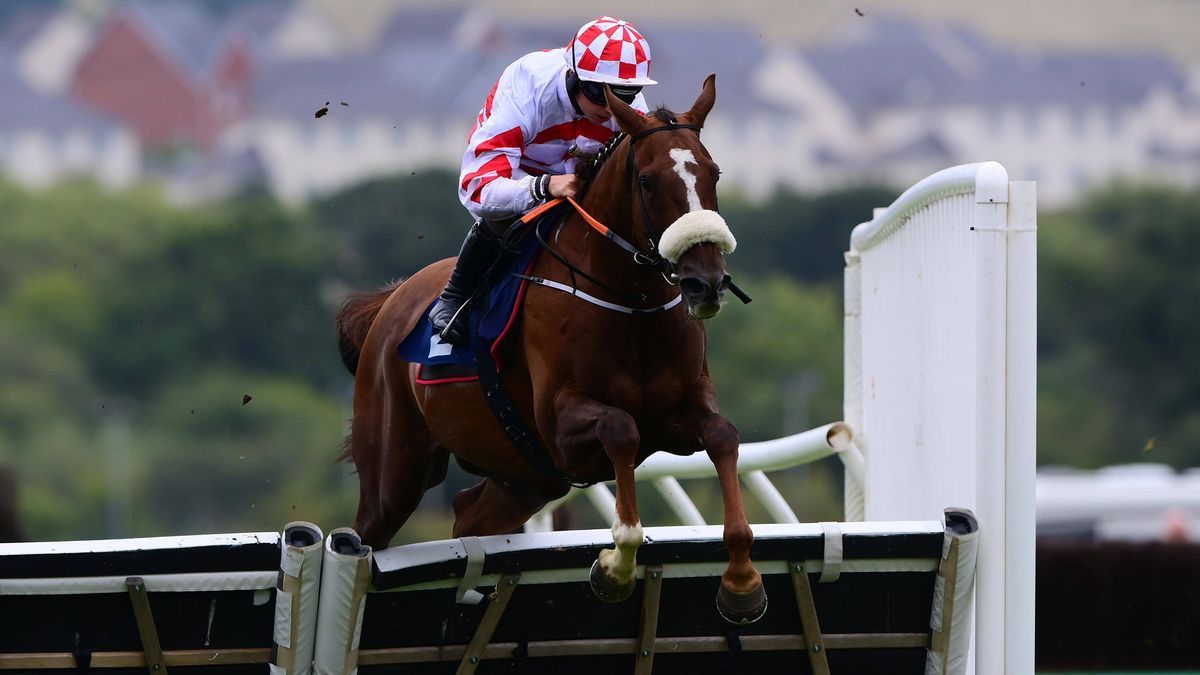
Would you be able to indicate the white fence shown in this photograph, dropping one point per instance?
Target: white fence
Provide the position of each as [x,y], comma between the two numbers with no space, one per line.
[941,359]
[940,390]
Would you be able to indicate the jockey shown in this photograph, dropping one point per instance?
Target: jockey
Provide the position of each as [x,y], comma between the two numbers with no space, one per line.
[545,108]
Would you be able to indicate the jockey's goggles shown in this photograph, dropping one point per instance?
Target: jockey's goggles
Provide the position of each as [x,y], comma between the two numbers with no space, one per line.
[594,91]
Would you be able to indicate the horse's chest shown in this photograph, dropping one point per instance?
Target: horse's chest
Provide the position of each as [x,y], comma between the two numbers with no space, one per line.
[627,365]
[642,396]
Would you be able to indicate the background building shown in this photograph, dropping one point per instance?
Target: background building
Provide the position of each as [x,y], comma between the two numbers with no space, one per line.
[221,95]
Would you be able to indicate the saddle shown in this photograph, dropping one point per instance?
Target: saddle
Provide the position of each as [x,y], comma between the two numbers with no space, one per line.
[493,312]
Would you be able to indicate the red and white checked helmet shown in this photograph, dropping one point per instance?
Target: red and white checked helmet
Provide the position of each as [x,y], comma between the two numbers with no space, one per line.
[612,51]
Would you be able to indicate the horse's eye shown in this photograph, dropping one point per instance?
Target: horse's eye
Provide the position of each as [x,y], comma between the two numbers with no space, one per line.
[646,184]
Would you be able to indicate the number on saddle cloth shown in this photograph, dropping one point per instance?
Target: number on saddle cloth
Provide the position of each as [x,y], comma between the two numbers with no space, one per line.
[491,311]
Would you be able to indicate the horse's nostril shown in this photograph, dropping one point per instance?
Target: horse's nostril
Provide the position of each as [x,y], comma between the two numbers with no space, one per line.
[692,286]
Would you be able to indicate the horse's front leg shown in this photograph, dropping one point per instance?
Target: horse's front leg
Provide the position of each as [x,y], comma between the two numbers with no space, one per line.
[581,421]
[741,598]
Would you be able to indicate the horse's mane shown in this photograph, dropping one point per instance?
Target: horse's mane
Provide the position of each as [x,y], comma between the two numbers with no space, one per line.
[590,165]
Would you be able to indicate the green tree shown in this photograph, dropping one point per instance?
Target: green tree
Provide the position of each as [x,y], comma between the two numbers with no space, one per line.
[238,285]
[1119,331]
[803,236]
[759,354]
[77,229]
[389,228]
[777,367]
[211,459]
[49,417]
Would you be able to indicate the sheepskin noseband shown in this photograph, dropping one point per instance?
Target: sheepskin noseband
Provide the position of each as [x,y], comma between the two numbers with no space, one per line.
[694,228]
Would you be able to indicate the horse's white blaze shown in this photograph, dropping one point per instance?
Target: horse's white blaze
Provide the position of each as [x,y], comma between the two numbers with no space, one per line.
[620,563]
[682,157]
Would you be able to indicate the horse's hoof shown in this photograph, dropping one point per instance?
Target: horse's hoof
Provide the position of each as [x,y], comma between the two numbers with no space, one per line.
[605,589]
[741,608]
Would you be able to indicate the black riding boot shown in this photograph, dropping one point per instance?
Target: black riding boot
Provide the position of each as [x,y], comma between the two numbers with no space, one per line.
[480,249]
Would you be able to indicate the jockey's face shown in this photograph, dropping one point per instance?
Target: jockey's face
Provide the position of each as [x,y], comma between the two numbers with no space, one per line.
[593,112]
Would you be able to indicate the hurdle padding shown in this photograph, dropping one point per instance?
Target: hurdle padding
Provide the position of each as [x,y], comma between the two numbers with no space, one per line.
[843,598]
[297,599]
[227,603]
[344,582]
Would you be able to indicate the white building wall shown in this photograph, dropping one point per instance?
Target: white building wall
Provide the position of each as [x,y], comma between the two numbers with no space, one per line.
[307,33]
[303,159]
[48,62]
[78,150]
[1068,150]
[31,162]
[119,163]
[36,158]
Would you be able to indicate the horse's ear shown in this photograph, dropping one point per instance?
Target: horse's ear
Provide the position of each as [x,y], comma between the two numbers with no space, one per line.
[630,120]
[704,102]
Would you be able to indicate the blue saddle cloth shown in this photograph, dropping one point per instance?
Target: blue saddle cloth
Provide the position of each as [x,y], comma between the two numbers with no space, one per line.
[490,314]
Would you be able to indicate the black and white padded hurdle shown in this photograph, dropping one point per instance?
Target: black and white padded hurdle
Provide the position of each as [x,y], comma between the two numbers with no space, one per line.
[857,597]
[881,597]
[233,603]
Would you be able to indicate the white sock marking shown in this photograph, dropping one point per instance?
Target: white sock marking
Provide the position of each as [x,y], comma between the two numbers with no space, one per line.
[682,157]
[620,562]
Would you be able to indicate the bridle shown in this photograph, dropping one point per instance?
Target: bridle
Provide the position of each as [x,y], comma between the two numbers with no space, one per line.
[651,258]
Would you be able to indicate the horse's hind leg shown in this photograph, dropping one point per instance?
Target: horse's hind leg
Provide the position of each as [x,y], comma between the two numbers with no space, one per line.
[390,492]
[491,508]
[396,463]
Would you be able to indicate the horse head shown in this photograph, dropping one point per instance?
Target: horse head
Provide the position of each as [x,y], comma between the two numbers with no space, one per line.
[674,180]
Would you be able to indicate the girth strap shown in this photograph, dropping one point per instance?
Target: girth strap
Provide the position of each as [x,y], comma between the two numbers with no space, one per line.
[514,425]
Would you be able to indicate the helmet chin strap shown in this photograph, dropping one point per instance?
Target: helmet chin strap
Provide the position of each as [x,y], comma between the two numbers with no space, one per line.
[573,90]
[573,81]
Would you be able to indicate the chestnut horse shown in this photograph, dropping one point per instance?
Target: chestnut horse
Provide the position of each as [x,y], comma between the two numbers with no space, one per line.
[601,389]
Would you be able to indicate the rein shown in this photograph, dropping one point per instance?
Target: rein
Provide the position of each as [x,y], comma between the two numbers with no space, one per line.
[639,257]
[645,258]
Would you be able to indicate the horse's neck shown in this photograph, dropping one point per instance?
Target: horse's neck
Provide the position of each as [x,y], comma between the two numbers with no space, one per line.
[607,197]
[598,257]
[650,344]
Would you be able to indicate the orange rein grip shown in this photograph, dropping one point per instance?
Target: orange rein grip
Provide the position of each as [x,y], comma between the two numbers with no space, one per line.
[533,214]
[587,217]
[596,225]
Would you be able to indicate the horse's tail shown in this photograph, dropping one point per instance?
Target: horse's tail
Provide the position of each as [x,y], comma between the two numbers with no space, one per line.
[354,319]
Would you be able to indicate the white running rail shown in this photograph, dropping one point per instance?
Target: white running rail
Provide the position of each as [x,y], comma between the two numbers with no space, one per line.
[754,459]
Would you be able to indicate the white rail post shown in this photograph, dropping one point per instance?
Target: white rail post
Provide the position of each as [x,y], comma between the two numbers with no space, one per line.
[991,242]
[768,495]
[1021,430]
[602,500]
[940,384]
[679,501]
[854,498]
